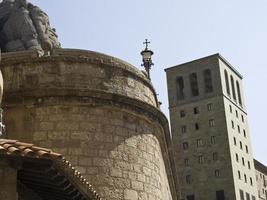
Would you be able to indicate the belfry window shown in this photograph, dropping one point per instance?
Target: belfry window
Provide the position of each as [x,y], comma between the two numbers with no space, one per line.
[233,87]
[238,93]
[227,82]
[194,84]
[180,88]
[208,81]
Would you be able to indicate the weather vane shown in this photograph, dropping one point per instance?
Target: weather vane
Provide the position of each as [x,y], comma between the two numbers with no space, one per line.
[147,58]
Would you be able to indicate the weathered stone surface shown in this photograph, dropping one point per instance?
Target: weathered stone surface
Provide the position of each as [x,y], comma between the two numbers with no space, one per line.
[83,108]
[24,26]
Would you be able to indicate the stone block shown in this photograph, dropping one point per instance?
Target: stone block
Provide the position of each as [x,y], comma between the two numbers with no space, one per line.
[64,126]
[122,183]
[130,194]
[40,135]
[102,162]
[116,172]
[136,185]
[84,161]
[46,126]
[92,170]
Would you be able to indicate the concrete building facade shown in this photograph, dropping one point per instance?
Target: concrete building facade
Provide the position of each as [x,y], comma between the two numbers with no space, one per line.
[212,148]
[261,177]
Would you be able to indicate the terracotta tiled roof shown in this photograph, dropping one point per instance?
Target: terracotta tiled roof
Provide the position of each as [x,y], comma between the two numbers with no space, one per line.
[60,167]
[14,147]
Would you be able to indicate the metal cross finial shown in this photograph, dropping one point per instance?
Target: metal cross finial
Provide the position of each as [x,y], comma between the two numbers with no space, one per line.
[146,43]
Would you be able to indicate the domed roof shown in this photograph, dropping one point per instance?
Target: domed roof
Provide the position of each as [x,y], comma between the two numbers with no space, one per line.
[74,72]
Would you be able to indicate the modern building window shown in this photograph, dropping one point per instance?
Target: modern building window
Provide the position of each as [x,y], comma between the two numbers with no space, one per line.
[190,197]
[238,128]
[227,82]
[210,106]
[194,84]
[188,179]
[244,133]
[217,173]
[182,113]
[180,88]
[196,110]
[247,196]
[199,142]
[241,145]
[196,126]
[246,149]
[208,81]
[233,124]
[183,129]
[251,181]
[185,145]
[239,175]
[236,113]
[233,87]
[253,197]
[215,156]
[220,195]
[245,178]
[242,197]
[249,165]
[237,157]
[234,141]
[211,122]
[242,117]
[186,162]
[230,108]
[238,93]
[213,139]
[201,159]
[243,161]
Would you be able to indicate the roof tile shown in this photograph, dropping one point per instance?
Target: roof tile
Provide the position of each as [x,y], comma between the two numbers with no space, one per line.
[14,147]
[26,149]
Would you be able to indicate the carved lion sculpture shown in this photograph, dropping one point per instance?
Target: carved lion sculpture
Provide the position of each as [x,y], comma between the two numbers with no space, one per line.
[24,26]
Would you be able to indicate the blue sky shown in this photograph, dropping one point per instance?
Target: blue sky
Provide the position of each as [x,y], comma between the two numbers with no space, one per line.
[179,31]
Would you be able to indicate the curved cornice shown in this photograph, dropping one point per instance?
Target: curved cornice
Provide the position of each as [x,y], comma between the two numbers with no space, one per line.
[76,56]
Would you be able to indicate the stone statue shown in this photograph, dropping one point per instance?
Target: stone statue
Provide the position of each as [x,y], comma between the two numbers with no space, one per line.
[24,26]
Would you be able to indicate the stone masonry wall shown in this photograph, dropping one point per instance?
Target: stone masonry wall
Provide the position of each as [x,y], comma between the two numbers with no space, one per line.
[99,112]
[116,151]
